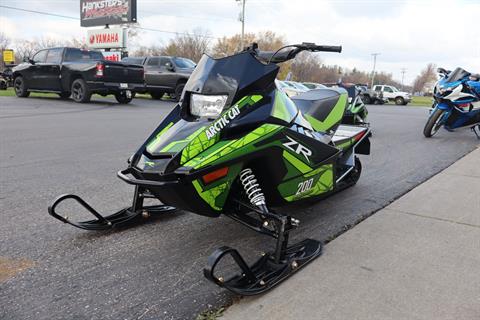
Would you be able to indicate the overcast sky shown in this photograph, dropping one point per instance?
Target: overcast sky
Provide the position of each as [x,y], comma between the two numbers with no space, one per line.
[408,34]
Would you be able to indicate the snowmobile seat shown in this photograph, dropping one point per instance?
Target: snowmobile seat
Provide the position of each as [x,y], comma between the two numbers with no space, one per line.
[323,108]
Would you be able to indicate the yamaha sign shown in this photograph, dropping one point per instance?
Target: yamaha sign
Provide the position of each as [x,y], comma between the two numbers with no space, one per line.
[107,38]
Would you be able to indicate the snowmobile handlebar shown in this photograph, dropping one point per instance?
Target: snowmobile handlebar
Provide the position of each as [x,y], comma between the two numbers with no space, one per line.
[282,55]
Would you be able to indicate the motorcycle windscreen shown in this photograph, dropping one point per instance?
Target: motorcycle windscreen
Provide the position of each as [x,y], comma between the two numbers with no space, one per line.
[236,76]
[456,75]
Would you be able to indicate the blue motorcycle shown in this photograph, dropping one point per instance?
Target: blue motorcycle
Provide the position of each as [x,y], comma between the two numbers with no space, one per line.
[456,102]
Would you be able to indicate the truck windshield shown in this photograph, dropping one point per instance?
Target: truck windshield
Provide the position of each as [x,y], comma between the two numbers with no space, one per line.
[79,54]
[394,89]
[184,63]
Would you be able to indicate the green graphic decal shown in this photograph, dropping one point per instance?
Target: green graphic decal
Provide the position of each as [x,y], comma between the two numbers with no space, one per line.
[210,196]
[226,150]
[215,194]
[208,138]
[334,117]
[314,183]
[298,164]
[156,141]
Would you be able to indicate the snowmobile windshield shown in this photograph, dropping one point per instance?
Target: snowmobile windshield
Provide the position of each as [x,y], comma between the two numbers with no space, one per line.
[457,75]
[235,76]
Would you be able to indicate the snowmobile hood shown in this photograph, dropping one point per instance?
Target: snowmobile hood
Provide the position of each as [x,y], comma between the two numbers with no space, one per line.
[238,75]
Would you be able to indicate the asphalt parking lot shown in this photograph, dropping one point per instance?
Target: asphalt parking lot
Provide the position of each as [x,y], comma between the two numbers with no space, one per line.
[153,271]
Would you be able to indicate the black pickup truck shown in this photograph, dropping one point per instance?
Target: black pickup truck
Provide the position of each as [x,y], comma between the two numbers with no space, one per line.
[164,74]
[77,73]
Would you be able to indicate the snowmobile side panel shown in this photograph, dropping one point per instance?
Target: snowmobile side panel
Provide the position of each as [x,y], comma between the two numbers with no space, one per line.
[312,183]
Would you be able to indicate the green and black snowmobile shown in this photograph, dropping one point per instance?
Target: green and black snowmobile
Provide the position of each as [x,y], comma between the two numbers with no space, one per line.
[236,145]
[356,112]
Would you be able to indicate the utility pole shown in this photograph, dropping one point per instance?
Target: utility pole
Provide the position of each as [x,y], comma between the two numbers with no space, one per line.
[242,20]
[374,65]
[403,75]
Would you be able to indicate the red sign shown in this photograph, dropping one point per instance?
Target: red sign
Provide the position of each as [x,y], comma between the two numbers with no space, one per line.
[106,38]
[112,55]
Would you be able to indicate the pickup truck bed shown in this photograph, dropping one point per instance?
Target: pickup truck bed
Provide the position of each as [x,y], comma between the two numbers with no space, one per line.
[77,73]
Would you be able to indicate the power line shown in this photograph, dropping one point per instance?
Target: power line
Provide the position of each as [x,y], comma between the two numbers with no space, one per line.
[132,26]
[39,12]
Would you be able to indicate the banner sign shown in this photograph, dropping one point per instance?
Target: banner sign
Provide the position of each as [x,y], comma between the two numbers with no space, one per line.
[107,38]
[102,12]
[8,56]
[112,55]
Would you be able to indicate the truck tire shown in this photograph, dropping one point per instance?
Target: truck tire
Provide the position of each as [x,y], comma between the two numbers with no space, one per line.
[156,95]
[178,91]
[122,97]
[80,91]
[366,99]
[399,101]
[20,87]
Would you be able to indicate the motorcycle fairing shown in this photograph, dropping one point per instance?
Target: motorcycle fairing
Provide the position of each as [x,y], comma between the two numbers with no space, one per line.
[455,118]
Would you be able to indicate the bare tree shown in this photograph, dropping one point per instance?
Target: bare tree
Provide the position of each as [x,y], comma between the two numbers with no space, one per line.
[426,75]
[77,43]
[267,40]
[306,67]
[25,49]
[47,42]
[144,51]
[191,45]
[4,43]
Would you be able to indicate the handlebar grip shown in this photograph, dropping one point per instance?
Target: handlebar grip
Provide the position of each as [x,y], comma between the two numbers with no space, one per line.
[329,48]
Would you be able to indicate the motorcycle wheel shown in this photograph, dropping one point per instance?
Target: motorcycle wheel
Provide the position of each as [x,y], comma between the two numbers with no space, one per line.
[434,123]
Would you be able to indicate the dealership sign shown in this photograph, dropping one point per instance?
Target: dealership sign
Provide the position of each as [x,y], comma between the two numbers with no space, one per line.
[8,56]
[102,12]
[107,38]
[112,55]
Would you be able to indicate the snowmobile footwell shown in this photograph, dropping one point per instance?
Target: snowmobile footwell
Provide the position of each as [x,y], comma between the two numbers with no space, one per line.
[130,215]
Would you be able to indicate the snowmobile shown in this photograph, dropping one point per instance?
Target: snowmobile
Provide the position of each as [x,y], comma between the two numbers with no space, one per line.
[356,112]
[236,145]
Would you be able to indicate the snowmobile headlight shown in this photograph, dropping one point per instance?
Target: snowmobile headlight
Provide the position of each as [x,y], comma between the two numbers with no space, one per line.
[207,106]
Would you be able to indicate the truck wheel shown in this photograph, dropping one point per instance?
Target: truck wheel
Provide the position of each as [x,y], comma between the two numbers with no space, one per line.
[122,98]
[178,91]
[156,95]
[80,92]
[366,99]
[20,87]
[399,101]
[64,95]
[3,85]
